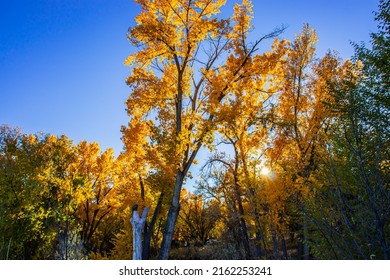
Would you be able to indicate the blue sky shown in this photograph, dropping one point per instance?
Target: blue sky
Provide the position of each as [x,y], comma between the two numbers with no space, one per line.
[61,61]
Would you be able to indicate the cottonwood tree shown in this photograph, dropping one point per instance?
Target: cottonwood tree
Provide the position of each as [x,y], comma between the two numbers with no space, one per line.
[188,62]
[243,121]
[95,174]
[302,121]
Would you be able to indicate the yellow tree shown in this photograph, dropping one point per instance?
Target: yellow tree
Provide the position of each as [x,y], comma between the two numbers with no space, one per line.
[95,175]
[187,64]
[198,218]
[243,122]
[302,119]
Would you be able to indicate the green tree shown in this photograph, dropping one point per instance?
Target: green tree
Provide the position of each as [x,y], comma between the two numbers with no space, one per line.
[37,204]
[351,214]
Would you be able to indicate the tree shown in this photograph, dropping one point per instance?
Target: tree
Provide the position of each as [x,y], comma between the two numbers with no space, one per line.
[243,123]
[138,224]
[188,62]
[354,178]
[197,219]
[36,194]
[357,199]
[95,174]
[299,140]
[56,198]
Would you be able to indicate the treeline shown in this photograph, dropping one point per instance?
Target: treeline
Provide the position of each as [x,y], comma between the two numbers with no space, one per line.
[307,175]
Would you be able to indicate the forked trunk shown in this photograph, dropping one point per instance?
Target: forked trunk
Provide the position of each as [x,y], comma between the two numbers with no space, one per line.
[138,225]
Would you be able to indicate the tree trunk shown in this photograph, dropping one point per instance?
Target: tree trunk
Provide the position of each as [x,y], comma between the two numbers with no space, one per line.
[138,225]
[284,248]
[241,214]
[172,217]
[300,250]
[149,233]
[259,230]
[245,239]
[306,252]
[275,244]
[258,245]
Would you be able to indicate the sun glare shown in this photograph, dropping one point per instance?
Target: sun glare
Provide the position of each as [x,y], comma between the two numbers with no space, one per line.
[265,171]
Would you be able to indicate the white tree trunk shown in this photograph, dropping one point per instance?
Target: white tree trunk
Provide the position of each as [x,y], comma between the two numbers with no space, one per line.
[138,225]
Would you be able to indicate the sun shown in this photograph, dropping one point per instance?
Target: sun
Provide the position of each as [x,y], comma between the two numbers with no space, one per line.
[265,171]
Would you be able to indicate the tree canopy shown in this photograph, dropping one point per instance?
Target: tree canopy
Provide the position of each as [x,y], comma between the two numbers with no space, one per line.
[297,150]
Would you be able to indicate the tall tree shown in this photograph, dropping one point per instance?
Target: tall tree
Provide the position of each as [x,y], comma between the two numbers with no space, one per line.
[358,169]
[95,175]
[189,61]
[301,121]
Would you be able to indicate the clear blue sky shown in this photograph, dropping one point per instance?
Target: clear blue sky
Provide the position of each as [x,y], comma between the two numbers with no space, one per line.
[61,61]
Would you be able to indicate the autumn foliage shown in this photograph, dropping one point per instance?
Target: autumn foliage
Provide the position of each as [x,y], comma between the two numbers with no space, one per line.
[294,150]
